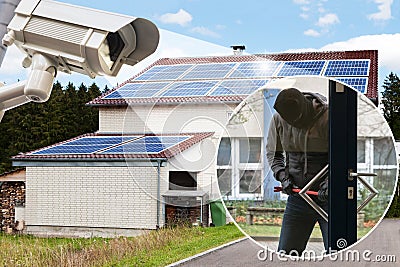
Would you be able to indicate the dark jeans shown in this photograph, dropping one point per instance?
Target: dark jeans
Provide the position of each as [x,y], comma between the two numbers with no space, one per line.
[298,222]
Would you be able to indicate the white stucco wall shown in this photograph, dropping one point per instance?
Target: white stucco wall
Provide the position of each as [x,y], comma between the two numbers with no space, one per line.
[165,118]
[107,197]
[201,159]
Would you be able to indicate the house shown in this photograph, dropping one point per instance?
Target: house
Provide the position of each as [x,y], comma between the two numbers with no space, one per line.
[154,159]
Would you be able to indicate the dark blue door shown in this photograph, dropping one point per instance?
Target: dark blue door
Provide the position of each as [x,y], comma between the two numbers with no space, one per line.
[342,162]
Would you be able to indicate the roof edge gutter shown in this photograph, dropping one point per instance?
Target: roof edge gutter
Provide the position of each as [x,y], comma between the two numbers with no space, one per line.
[132,162]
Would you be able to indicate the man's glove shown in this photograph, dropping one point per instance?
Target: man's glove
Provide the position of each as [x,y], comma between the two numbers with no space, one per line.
[323,191]
[286,182]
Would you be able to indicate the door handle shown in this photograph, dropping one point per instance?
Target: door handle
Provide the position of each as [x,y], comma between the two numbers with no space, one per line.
[371,189]
[359,174]
[323,172]
[308,199]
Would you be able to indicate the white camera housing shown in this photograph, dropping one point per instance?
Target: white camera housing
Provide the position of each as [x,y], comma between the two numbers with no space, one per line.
[56,36]
[79,39]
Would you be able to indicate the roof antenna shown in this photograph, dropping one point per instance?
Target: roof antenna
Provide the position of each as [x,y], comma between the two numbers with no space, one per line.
[238,49]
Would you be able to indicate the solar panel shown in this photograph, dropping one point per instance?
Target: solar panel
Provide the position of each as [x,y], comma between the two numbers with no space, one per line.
[185,89]
[347,68]
[255,69]
[137,90]
[360,83]
[147,145]
[164,72]
[84,145]
[233,78]
[208,71]
[238,87]
[292,68]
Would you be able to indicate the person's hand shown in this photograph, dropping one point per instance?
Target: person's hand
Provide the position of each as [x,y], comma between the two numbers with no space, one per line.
[323,191]
[286,183]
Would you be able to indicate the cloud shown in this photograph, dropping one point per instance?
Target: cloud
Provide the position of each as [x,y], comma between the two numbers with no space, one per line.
[304,16]
[181,18]
[311,32]
[386,44]
[12,63]
[301,2]
[172,45]
[11,70]
[205,31]
[385,12]
[305,8]
[328,19]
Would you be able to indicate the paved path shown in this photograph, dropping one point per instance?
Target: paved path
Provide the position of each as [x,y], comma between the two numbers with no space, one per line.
[383,241]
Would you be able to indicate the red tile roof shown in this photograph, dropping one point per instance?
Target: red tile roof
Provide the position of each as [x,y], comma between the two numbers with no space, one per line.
[372,89]
[168,153]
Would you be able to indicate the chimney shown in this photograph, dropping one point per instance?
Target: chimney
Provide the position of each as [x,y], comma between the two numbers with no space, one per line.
[238,49]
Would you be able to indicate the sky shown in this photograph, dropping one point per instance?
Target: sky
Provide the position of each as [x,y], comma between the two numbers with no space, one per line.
[205,27]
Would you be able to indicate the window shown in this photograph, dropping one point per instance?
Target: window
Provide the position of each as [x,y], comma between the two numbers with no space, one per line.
[240,167]
[250,182]
[180,180]
[361,151]
[377,155]
[384,181]
[384,152]
[224,152]
[225,181]
[250,150]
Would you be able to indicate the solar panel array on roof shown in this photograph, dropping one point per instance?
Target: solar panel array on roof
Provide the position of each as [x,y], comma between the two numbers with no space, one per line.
[84,145]
[184,89]
[358,83]
[208,71]
[137,90]
[238,87]
[292,68]
[166,72]
[255,69]
[114,145]
[347,68]
[234,78]
[147,145]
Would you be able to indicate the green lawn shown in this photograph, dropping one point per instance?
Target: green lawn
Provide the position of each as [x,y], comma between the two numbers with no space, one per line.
[157,248]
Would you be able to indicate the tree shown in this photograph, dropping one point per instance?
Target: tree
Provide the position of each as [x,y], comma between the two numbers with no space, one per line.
[391,103]
[391,112]
[36,125]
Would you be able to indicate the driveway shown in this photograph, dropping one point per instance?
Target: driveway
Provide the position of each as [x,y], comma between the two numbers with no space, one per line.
[379,248]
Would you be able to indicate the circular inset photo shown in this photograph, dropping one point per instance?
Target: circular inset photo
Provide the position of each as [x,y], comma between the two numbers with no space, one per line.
[307,163]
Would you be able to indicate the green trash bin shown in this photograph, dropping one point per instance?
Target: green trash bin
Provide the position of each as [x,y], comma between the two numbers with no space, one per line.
[218,213]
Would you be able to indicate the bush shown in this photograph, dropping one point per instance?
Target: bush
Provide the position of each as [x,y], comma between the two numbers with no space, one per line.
[394,210]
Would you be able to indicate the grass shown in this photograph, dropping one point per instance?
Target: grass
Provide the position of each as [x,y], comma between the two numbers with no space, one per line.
[157,248]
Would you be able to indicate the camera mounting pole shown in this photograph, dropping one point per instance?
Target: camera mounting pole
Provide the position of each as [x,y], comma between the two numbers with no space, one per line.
[40,81]
[37,88]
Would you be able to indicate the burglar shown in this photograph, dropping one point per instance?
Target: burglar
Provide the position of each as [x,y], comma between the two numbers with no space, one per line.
[297,149]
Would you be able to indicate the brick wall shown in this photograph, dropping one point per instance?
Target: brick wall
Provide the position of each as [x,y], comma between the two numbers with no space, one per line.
[107,197]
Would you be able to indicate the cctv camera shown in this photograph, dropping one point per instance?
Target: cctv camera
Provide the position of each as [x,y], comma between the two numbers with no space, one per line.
[62,37]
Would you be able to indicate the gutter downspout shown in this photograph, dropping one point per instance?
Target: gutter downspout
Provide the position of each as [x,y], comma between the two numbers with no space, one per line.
[159,162]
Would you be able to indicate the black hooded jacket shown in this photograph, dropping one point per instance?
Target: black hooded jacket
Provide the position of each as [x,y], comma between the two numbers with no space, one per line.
[301,153]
